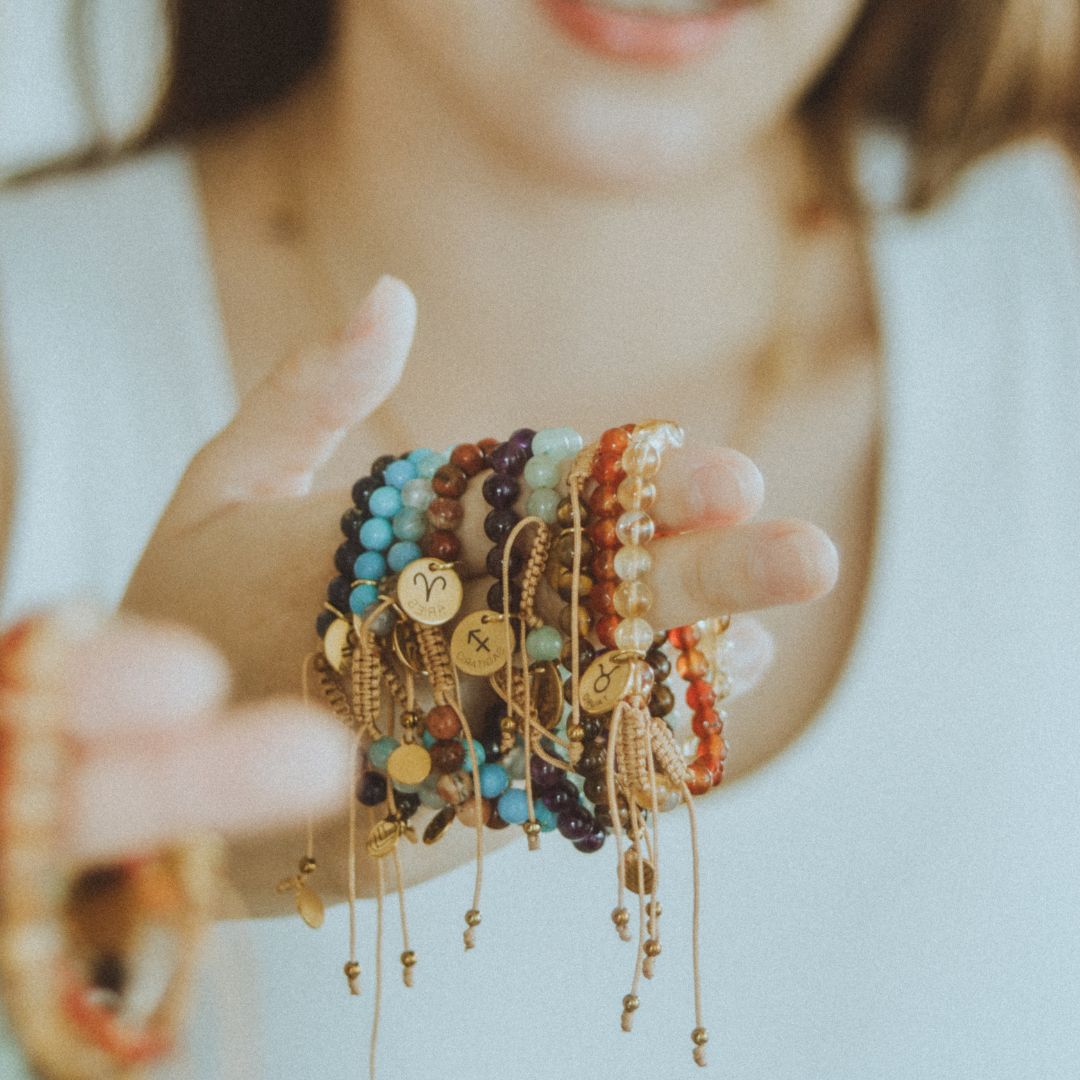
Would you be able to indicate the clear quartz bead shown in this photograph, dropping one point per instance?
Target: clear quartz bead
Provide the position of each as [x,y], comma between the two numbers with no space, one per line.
[636,493]
[635,527]
[641,459]
[633,598]
[634,635]
[632,562]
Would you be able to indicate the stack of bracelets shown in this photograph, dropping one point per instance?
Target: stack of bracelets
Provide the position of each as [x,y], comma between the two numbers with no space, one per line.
[582,737]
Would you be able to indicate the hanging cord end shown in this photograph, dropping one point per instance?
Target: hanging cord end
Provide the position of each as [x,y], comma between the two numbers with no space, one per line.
[700,1037]
[352,974]
[532,831]
[621,918]
[408,962]
[652,951]
[472,917]
[630,1005]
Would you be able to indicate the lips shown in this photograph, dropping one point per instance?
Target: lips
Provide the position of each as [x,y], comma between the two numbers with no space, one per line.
[664,33]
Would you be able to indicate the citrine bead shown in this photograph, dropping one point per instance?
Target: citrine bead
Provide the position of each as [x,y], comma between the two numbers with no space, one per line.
[633,527]
[642,460]
[632,599]
[632,561]
[636,493]
[634,635]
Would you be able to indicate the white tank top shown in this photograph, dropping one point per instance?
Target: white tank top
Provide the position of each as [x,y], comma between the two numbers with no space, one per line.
[896,895]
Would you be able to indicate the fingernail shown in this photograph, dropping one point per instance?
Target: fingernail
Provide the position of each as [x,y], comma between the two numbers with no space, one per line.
[795,565]
[363,322]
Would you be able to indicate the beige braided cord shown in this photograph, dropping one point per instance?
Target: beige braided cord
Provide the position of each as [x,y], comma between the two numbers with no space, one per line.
[576,478]
[352,972]
[620,915]
[649,963]
[631,1001]
[699,1035]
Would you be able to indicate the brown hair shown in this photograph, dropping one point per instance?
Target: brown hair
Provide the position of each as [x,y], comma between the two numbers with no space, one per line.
[957,77]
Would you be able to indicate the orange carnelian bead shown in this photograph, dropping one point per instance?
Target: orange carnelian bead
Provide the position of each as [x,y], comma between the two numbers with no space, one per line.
[692,664]
[684,637]
[468,457]
[602,533]
[605,630]
[718,775]
[700,779]
[706,723]
[700,694]
[615,440]
[607,469]
[603,566]
[602,598]
[711,748]
[604,501]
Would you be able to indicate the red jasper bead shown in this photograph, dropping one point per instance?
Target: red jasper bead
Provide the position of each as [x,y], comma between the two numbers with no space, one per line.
[449,481]
[441,544]
[468,457]
[442,722]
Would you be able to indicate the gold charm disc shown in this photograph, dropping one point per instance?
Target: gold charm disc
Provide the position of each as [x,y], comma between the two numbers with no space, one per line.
[478,644]
[429,591]
[410,763]
[335,643]
[603,684]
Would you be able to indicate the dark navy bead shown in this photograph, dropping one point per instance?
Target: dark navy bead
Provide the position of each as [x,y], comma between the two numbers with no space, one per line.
[362,490]
[371,789]
[658,660]
[351,521]
[408,802]
[345,557]
[322,623]
[499,524]
[495,560]
[338,593]
[378,467]
[500,490]
[495,596]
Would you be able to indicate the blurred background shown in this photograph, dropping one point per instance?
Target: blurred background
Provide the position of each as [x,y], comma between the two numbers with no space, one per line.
[73,72]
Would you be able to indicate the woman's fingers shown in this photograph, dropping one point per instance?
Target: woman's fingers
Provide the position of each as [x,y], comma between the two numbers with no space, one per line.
[741,568]
[136,676]
[706,486]
[289,425]
[261,767]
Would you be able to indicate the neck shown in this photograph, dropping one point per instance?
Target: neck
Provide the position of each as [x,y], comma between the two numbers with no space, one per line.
[511,266]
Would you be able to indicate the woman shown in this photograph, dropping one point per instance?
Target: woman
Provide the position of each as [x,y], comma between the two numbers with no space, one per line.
[606,212]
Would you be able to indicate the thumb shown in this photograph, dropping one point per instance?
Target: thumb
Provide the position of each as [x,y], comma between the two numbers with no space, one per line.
[290,424]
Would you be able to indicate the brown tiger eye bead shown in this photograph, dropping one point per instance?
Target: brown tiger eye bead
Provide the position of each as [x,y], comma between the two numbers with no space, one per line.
[468,457]
[445,513]
[662,701]
[563,549]
[442,545]
[443,722]
[447,755]
[593,761]
[466,812]
[604,501]
[596,788]
[563,581]
[449,481]
[564,513]
[585,655]
[658,660]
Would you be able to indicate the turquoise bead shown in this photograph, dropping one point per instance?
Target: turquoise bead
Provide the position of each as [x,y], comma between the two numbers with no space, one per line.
[543,503]
[481,755]
[431,464]
[416,456]
[560,443]
[385,501]
[542,471]
[399,473]
[380,750]
[370,566]
[493,781]
[401,554]
[547,818]
[513,806]
[362,597]
[376,534]
[427,739]
[417,493]
[543,643]
[409,523]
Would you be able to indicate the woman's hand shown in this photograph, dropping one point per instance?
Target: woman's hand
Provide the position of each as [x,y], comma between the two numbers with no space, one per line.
[243,553]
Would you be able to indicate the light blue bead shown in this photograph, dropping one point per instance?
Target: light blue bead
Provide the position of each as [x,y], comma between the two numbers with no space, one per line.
[380,750]
[376,534]
[431,464]
[541,471]
[362,597]
[410,523]
[560,443]
[548,819]
[385,501]
[481,755]
[427,739]
[493,781]
[543,503]
[399,473]
[401,554]
[370,566]
[543,643]
[513,806]
[416,456]
[514,762]
[429,796]
[408,789]
[417,493]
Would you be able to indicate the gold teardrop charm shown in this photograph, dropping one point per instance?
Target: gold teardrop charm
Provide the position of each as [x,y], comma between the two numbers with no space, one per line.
[310,905]
[382,839]
[631,861]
